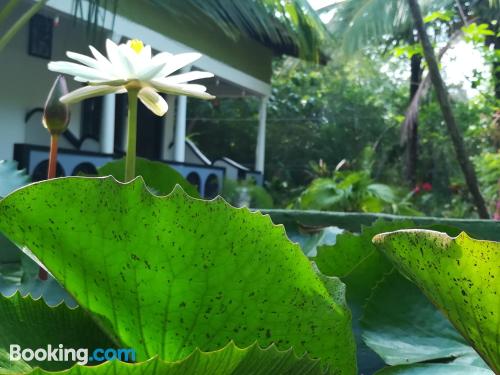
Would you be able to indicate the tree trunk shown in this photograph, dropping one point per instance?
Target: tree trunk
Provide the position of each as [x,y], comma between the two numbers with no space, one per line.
[412,139]
[496,67]
[449,118]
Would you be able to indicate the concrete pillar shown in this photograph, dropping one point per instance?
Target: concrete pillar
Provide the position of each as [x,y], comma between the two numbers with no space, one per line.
[180,125]
[107,136]
[260,150]
[180,130]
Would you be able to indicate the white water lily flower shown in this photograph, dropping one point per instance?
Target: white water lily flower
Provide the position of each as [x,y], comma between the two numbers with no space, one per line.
[131,66]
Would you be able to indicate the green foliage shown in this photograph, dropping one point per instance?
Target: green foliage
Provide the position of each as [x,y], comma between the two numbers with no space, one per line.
[354,192]
[477,33]
[408,50]
[441,15]
[314,109]
[160,177]
[364,22]
[459,275]
[488,172]
[143,264]
[246,193]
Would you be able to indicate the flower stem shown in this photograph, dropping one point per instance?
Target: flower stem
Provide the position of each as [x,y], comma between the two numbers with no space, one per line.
[54,138]
[131,136]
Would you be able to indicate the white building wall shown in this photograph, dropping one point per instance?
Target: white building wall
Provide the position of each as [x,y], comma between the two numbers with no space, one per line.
[26,82]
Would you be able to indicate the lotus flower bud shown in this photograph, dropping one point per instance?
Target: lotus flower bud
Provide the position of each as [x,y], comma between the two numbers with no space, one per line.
[56,114]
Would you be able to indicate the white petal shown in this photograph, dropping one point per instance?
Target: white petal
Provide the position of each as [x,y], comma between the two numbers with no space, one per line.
[179,61]
[116,59]
[150,71]
[78,70]
[101,65]
[151,99]
[82,59]
[130,59]
[145,54]
[186,77]
[197,91]
[162,56]
[88,92]
[98,55]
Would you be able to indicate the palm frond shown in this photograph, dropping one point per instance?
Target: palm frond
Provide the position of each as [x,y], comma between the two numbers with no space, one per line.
[94,13]
[287,27]
[360,22]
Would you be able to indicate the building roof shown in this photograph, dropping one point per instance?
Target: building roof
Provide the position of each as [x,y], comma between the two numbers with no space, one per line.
[286,27]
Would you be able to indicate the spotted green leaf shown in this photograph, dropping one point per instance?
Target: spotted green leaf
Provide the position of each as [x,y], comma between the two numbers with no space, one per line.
[356,260]
[32,324]
[230,360]
[170,274]
[460,275]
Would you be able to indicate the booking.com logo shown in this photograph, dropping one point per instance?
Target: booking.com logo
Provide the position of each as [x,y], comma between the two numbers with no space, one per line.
[61,354]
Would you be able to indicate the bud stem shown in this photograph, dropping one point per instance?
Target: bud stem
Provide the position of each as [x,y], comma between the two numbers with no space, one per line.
[53,156]
[131,135]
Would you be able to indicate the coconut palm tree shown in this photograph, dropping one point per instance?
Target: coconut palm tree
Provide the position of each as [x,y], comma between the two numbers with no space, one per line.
[363,22]
[449,118]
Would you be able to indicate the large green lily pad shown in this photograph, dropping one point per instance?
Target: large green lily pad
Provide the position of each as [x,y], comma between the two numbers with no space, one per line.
[403,327]
[356,260]
[32,324]
[170,274]
[160,177]
[230,360]
[459,275]
[360,266]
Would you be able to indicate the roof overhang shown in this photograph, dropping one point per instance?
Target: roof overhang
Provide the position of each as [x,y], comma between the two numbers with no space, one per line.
[237,80]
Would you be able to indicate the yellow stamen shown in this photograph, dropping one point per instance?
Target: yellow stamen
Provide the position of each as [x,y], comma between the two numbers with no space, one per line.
[136,45]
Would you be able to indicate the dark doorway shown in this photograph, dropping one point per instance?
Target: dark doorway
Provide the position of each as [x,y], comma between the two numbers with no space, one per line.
[149,128]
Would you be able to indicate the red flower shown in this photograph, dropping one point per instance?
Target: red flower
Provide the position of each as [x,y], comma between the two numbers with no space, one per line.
[427,186]
[416,190]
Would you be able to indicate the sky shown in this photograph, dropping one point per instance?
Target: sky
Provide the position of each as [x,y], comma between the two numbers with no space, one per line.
[456,68]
